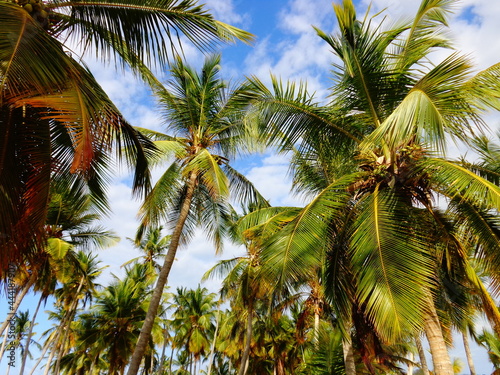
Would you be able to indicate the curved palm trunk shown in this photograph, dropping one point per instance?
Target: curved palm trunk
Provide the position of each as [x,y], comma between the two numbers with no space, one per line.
[71,316]
[17,302]
[4,342]
[248,339]
[147,327]
[316,327]
[44,350]
[30,334]
[468,354]
[439,351]
[421,354]
[349,363]
[410,366]
[212,349]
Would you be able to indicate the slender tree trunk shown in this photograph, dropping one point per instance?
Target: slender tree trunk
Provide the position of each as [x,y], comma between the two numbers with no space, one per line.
[4,342]
[163,350]
[145,334]
[439,351]
[316,327]
[17,302]
[30,334]
[410,366]
[350,364]
[468,354]
[212,349]
[71,315]
[248,340]
[421,354]
[44,350]
[171,360]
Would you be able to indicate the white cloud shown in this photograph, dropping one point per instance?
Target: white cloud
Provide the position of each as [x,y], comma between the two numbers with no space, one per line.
[224,10]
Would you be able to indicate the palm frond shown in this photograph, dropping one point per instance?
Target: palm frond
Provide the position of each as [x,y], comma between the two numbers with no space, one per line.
[456,181]
[390,264]
[207,167]
[140,30]
[435,105]
[295,251]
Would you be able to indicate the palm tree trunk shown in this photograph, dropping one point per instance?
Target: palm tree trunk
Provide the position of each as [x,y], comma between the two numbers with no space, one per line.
[410,366]
[350,364]
[248,339]
[439,351]
[145,334]
[212,349]
[4,342]
[71,315]
[468,354]
[163,350]
[30,334]
[316,327]
[421,355]
[44,350]
[17,302]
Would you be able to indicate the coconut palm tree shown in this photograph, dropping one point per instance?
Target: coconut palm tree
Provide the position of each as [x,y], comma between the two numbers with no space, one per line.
[109,330]
[153,245]
[205,119]
[394,112]
[56,119]
[193,321]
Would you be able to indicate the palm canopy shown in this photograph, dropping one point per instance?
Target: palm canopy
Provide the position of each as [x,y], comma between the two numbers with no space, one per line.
[393,113]
[206,124]
[55,117]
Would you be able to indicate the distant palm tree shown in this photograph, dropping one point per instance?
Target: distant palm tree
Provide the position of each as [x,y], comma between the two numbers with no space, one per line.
[205,119]
[153,245]
[193,321]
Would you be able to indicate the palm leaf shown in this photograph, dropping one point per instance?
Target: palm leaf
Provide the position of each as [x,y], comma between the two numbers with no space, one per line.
[206,166]
[436,105]
[389,264]
[140,30]
[456,181]
[299,248]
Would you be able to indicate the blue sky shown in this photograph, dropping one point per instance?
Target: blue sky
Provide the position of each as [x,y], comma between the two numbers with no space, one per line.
[286,45]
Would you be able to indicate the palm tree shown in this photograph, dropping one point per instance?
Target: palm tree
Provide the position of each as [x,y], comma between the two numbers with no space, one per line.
[205,118]
[394,113]
[193,321]
[109,330]
[56,119]
[153,246]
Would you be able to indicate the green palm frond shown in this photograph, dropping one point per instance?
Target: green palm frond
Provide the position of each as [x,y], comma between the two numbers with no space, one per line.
[425,33]
[23,43]
[390,264]
[484,88]
[287,113]
[207,167]
[362,50]
[295,251]
[161,196]
[434,106]
[456,181]
[242,190]
[149,29]
[265,222]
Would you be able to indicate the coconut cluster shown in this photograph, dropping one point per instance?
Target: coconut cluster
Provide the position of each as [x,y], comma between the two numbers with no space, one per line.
[37,10]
